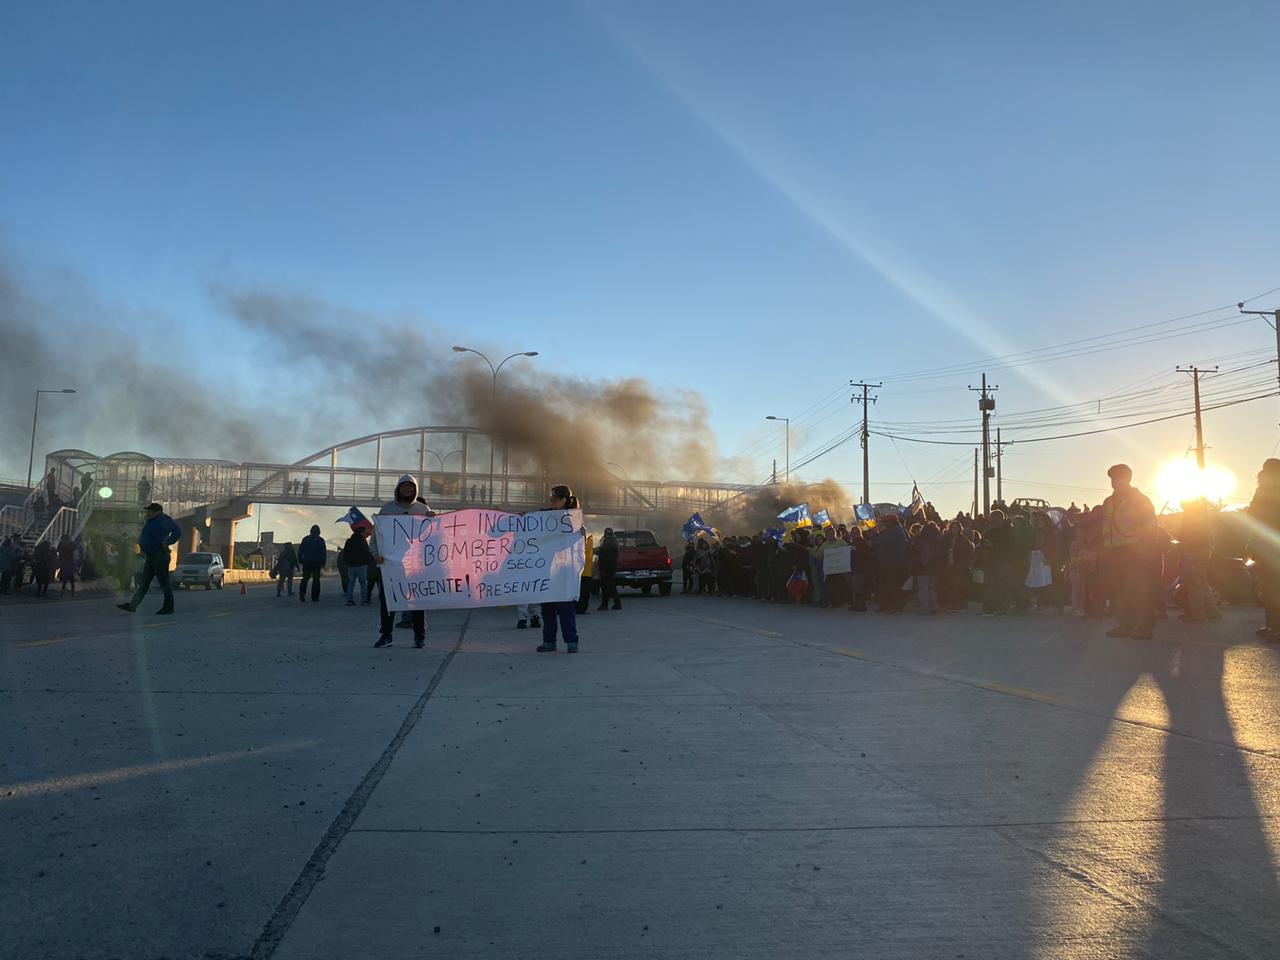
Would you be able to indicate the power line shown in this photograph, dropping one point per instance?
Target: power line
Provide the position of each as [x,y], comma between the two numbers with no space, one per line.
[1034,355]
[1089,433]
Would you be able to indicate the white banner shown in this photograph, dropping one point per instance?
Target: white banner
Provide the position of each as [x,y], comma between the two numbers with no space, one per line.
[480,558]
[836,560]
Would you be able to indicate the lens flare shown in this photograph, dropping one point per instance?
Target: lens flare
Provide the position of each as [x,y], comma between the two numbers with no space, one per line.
[1182,481]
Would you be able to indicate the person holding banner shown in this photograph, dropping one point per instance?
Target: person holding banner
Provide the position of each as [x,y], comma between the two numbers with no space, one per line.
[561,612]
[407,502]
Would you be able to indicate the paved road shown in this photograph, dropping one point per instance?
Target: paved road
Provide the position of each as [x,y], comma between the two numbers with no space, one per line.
[708,778]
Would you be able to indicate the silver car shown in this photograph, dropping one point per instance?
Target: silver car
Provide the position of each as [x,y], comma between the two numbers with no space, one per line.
[205,569]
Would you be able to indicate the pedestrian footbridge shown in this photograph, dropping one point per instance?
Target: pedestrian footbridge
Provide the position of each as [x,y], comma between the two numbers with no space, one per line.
[456,467]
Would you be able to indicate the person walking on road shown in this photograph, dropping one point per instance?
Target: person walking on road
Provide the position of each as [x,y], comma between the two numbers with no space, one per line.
[608,560]
[314,557]
[560,613]
[407,502]
[286,564]
[158,534]
[1264,512]
[1128,531]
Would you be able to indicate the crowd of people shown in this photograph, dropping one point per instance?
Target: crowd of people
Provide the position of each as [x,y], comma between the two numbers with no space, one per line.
[1112,559]
[65,562]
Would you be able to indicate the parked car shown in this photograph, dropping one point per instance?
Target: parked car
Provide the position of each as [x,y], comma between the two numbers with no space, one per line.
[642,562]
[205,569]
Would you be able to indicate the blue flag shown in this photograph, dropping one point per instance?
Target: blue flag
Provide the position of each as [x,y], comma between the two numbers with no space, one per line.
[821,518]
[694,526]
[799,515]
[773,533]
[865,512]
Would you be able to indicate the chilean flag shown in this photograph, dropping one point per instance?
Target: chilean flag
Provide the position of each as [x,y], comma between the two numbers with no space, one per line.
[357,520]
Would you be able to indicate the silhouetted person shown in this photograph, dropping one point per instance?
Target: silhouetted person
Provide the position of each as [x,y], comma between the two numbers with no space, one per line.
[44,559]
[312,553]
[608,560]
[158,534]
[67,565]
[1128,528]
[286,564]
[1264,511]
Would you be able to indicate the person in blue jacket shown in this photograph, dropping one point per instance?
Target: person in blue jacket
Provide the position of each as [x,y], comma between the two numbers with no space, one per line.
[313,557]
[158,534]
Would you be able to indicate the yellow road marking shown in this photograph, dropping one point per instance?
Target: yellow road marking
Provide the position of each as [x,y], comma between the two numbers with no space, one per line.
[724,623]
[993,685]
[45,643]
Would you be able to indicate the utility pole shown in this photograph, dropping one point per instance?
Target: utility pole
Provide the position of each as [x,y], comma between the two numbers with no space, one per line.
[866,471]
[1275,325]
[999,468]
[974,515]
[1195,380]
[986,404]
[787,472]
[774,478]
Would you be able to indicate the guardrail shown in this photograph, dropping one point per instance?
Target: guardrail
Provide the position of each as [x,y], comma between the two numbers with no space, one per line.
[64,523]
[12,520]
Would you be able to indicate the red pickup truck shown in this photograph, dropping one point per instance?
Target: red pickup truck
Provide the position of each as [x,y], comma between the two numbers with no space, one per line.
[642,562]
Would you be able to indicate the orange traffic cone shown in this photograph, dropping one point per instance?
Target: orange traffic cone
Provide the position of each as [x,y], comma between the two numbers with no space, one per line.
[243,591]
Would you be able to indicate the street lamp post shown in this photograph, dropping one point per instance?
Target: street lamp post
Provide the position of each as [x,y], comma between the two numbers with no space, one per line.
[34,417]
[493,394]
[445,459]
[787,421]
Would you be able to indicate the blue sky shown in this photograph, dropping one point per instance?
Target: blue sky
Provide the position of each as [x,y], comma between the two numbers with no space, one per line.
[757,201]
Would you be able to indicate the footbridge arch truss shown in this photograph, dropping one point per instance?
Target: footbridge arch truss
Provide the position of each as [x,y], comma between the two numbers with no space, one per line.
[455,466]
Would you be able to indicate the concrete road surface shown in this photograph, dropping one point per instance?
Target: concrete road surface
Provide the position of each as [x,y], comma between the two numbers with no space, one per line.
[707,778]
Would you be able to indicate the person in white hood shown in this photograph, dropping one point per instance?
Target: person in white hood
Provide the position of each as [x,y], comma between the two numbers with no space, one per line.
[408,502]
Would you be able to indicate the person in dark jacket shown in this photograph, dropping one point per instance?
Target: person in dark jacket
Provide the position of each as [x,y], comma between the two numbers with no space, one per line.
[1264,512]
[158,534]
[44,560]
[358,557]
[927,562]
[286,563]
[314,557]
[999,549]
[7,554]
[608,561]
[67,565]
[891,564]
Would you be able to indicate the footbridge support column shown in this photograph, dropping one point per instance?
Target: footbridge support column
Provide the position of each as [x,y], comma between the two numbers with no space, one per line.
[220,536]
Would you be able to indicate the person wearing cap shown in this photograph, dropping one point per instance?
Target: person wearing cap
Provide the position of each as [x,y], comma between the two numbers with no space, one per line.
[1128,534]
[158,534]
[608,560]
[1264,546]
[407,502]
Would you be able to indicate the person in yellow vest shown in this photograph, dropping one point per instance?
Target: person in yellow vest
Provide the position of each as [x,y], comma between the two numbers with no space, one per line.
[1128,531]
